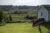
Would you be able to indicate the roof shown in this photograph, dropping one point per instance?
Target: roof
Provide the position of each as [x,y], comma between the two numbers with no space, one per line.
[47,7]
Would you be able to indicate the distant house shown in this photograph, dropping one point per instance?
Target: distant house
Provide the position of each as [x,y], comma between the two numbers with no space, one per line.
[44,12]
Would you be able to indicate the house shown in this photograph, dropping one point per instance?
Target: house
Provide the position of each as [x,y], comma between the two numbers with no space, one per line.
[44,12]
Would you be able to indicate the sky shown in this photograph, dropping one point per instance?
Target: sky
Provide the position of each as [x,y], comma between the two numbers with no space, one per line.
[24,2]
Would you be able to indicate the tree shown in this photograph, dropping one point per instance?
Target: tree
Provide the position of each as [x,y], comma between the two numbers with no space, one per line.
[1,16]
[10,18]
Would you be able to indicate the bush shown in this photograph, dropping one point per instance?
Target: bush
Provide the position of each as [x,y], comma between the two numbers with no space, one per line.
[9,19]
[2,18]
[30,17]
[35,17]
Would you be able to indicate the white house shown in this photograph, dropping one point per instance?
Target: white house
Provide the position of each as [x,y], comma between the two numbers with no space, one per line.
[44,12]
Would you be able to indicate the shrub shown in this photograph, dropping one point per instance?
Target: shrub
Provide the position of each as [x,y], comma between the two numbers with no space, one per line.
[2,22]
[35,17]
[1,16]
[9,19]
[29,17]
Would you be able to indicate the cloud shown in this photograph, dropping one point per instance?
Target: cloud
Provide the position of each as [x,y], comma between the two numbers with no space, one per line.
[24,2]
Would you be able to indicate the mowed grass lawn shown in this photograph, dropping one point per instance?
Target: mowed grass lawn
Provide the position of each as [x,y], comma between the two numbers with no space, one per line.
[21,28]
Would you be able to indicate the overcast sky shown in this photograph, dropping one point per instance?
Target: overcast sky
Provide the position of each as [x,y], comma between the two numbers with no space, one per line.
[24,2]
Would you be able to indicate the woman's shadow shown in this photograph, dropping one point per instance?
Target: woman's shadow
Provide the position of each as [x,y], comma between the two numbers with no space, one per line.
[46,25]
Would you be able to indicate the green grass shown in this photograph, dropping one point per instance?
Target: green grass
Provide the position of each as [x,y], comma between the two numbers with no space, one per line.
[20,16]
[21,28]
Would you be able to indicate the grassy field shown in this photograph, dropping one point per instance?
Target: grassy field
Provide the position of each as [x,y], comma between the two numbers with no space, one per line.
[21,28]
